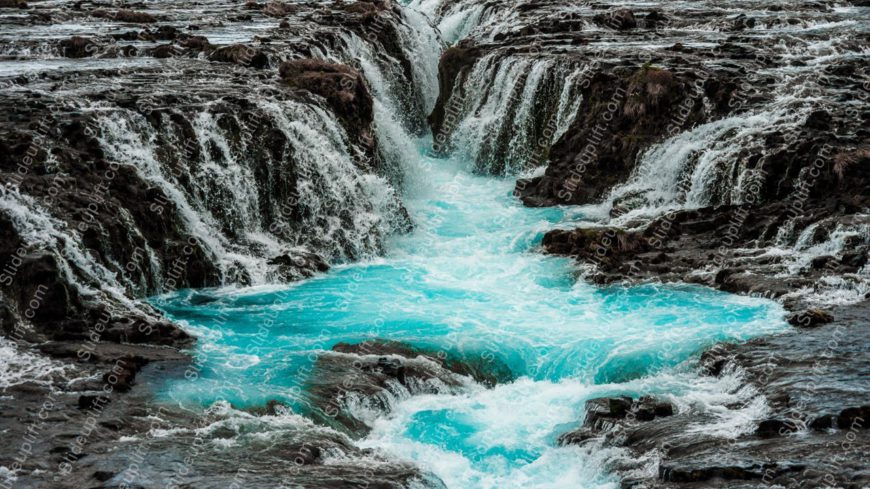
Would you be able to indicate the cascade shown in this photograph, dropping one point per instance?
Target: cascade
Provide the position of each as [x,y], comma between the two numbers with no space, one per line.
[540,96]
[702,166]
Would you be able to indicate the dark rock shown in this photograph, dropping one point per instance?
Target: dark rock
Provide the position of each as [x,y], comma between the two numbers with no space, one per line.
[810,318]
[343,87]
[774,427]
[79,47]
[453,67]
[620,116]
[742,22]
[103,476]
[89,402]
[578,437]
[241,54]
[854,418]
[299,265]
[621,19]
[819,119]
[124,15]
[123,374]
[273,407]
[371,372]
[602,412]
[824,422]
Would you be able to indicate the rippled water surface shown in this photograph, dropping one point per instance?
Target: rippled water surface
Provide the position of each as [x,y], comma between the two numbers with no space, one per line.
[469,281]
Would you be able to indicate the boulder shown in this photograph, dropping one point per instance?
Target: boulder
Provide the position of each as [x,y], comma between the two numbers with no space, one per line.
[79,47]
[241,54]
[810,318]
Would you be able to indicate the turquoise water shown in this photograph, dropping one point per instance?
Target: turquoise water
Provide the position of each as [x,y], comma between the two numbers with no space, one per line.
[469,281]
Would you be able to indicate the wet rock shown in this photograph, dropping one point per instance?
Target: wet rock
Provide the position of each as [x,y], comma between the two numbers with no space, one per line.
[123,15]
[774,427]
[654,18]
[79,47]
[241,54]
[272,407]
[824,422]
[819,119]
[165,51]
[619,117]
[855,418]
[279,9]
[453,67]
[484,369]
[621,19]
[742,22]
[607,417]
[123,374]
[342,86]
[372,373]
[810,318]
[777,367]
[299,264]
[103,476]
[670,473]
[89,402]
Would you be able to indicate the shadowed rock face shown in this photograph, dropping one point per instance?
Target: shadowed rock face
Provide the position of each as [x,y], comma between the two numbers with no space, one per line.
[621,115]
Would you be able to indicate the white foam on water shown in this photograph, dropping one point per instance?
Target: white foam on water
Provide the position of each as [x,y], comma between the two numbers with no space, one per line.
[17,366]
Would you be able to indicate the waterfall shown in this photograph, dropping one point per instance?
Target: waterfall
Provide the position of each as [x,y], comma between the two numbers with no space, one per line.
[513,109]
[704,166]
[312,192]
[423,46]
[77,266]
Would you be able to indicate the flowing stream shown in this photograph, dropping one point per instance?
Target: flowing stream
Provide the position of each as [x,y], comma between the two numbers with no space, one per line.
[468,281]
